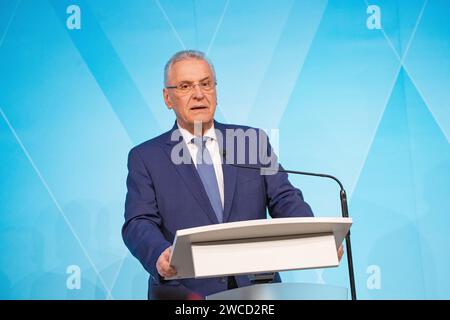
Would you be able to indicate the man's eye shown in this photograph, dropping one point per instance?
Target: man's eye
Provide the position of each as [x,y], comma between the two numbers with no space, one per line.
[183,86]
[205,84]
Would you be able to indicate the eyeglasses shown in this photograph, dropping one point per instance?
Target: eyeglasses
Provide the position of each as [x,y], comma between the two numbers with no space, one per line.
[187,87]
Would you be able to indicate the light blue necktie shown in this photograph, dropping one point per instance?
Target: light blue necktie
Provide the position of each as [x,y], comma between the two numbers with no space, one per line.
[205,169]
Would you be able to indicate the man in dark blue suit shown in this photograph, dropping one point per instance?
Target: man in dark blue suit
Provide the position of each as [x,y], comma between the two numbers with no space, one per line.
[184,179]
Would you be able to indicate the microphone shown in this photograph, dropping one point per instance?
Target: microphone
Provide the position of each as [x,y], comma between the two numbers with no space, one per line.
[344,209]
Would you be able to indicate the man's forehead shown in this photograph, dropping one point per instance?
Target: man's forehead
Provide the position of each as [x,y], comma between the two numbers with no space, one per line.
[190,70]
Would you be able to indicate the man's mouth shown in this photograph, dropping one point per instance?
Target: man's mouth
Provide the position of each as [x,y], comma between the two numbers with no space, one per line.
[199,107]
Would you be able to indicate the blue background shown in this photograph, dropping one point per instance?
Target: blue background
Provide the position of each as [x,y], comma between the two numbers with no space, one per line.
[371,106]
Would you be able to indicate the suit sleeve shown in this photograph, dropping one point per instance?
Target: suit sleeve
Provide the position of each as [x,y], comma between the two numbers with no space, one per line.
[141,231]
[283,199]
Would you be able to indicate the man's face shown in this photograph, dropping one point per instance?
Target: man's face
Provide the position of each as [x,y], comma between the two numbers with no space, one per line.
[197,105]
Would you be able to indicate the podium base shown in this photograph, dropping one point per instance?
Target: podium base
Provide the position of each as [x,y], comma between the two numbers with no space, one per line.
[283,291]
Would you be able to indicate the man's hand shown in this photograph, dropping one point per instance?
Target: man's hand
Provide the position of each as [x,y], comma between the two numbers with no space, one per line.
[163,266]
[340,252]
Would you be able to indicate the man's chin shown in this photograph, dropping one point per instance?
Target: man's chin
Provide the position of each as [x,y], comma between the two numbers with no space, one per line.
[202,121]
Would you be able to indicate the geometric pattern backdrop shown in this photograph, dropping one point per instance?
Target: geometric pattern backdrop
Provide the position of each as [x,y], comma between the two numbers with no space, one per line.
[358,89]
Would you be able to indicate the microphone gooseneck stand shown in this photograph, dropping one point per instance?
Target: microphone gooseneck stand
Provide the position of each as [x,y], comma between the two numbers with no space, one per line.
[344,210]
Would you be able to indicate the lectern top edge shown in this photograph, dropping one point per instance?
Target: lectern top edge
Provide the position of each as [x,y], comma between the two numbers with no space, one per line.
[273,221]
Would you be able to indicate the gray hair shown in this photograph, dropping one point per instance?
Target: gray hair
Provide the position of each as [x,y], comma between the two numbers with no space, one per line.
[184,55]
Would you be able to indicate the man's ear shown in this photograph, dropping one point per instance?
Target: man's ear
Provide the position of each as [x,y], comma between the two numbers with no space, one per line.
[167,99]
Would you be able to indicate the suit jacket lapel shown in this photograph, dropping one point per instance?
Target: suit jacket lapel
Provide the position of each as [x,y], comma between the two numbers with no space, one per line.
[190,177]
[229,173]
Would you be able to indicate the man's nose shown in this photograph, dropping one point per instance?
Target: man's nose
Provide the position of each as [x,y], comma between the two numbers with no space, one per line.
[197,91]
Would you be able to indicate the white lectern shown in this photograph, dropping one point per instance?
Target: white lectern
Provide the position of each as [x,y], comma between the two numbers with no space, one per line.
[258,246]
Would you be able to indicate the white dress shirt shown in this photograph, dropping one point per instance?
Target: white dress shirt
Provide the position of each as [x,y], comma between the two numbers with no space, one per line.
[213,149]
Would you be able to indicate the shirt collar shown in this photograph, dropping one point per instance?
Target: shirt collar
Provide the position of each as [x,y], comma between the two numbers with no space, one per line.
[187,136]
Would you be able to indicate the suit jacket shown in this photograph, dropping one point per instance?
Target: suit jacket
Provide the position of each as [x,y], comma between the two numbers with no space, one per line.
[164,197]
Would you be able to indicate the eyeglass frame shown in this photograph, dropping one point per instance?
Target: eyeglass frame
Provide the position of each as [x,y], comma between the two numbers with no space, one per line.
[192,86]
